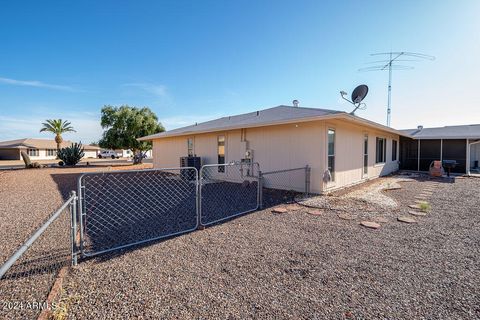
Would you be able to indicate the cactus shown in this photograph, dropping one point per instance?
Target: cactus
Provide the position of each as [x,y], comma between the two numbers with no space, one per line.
[71,155]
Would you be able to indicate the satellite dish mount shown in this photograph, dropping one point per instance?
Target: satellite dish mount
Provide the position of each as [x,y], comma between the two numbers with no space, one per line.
[358,94]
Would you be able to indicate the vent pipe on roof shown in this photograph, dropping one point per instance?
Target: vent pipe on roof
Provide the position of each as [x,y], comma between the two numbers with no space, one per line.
[420,128]
[295,103]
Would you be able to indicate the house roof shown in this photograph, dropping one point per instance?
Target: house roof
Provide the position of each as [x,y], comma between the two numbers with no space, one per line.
[272,116]
[39,144]
[471,131]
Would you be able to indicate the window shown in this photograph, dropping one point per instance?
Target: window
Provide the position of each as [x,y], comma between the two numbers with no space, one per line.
[221,152]
[33,152]
[331,153]
[381,149]
[190,147]
[365,154]
[394,150]
[51,152]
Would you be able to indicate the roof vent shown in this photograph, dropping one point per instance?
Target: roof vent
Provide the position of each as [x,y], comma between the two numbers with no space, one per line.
[295,103]
[420,127]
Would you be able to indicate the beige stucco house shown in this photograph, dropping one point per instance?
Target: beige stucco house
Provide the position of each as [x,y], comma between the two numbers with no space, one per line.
[350,148]
[38,149]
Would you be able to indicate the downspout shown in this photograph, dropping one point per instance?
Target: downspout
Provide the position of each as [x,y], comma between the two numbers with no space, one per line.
[467,162]
[418,156]
[441,150]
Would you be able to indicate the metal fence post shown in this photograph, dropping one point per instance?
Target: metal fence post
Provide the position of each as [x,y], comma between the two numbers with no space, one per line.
[307,179]
[73,231]
[260,189]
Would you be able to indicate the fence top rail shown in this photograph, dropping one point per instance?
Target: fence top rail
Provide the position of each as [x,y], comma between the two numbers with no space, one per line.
[285,170]
[18,254]
[132,171]
[230,164]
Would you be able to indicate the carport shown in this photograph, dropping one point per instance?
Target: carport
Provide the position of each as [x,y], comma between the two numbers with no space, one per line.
[459,143]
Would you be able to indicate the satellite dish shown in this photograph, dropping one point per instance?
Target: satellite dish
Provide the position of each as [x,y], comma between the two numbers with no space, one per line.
[359,93]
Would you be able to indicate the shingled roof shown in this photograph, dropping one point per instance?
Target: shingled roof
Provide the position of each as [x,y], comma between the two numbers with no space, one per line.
[39,144]
[271,116]
[471,131]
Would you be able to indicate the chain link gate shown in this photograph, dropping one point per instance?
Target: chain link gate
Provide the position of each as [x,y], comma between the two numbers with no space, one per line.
[119,209]
[228,190]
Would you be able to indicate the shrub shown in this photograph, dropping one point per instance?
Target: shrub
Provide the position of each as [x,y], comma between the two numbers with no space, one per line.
[71,155]
[425,206]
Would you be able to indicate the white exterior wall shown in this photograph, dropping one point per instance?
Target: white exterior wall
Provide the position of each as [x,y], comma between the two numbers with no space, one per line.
[288,146]
[42,155]
[349,153]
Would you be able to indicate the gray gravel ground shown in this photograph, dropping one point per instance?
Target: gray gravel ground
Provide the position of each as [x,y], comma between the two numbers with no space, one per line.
[27,198]
[300,266]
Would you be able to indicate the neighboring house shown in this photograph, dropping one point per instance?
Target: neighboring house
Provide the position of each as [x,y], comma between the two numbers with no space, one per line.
[351,148]
[459,143]
[38,149]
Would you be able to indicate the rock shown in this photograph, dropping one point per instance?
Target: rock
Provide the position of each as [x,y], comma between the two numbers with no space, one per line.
[279,210]
[414,206]
[370,224]
[406,219]
[315,212]
[346,216]
[424,198]
[393,188]
[293,207]
[417,213]
[420,201]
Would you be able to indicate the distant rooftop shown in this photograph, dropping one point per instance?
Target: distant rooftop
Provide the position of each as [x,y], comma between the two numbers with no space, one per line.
[26,143]
[271,116]
[471,131]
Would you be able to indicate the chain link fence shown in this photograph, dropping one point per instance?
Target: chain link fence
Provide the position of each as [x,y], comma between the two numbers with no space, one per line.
[27,277]
[125,208]
[228,190]
[282,186]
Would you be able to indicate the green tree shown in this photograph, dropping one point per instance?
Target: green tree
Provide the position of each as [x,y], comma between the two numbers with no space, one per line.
[57,127]
[124,125]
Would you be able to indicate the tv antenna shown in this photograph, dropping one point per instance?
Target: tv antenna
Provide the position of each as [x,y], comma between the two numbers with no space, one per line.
[390,64]
[358,94]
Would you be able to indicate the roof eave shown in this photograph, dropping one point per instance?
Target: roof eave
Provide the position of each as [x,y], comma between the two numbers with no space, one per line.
[236,127]
[341,115]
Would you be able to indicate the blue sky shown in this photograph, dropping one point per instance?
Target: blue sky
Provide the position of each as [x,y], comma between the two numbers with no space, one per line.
[197,60]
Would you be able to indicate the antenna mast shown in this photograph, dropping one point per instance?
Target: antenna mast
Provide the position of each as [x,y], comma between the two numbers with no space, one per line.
[391,65]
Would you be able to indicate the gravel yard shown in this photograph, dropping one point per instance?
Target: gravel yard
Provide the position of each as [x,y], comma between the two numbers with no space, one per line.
[300,265]
[27,198]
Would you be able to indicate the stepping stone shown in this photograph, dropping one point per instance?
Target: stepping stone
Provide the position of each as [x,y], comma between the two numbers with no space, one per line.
[417,213]
[293,207]
[421,198]
[420,201]
[346,216]
[279,210]
[406,219]
[394,188]
[414,206]
[370,224]
[381,219]
[315,212]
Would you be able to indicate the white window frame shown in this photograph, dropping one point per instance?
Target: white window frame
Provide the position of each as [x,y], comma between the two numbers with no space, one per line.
[365,154]
[332,173]
[193,146]
[396,150]
[35,152]
[221,169]
[384,151]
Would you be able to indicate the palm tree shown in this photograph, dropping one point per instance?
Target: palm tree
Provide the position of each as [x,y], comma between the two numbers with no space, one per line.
[57,126]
